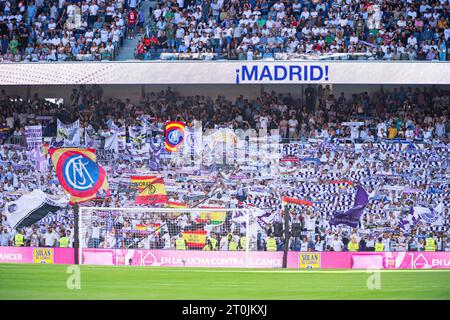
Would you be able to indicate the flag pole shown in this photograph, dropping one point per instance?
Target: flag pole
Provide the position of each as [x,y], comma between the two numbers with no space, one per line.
[76,239]
[286,236]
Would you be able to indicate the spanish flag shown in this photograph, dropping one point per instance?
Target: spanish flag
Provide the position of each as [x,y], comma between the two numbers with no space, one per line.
[79,174]
[152,227]
[141,227]
[174,204]
[294,201]
[195,239]
[151,189]
[174,135]
[203,217]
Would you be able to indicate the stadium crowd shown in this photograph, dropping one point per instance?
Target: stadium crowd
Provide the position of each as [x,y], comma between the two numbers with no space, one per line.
[43,30]
[392,142]
[288,29]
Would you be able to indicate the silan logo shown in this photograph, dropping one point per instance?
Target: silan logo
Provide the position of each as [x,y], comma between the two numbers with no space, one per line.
[290,73]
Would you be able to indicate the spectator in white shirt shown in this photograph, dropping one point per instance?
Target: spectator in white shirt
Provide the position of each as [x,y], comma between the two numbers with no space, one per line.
[337,244]
[50,238]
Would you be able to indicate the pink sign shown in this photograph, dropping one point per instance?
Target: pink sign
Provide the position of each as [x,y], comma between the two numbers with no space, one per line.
[385,260]
[27,255]
[16,255]
[264,259]
[180,258]
[64,256]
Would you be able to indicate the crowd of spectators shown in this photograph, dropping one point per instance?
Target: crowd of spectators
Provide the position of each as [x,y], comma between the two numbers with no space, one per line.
[399,155]
[42,30]
[286,29]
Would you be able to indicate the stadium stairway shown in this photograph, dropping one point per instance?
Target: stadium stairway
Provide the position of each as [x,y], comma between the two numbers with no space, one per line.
[126,52]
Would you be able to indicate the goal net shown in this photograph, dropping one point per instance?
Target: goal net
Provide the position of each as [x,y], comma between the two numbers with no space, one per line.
[125,235]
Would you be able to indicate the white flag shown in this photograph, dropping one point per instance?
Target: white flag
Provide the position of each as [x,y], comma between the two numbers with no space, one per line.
[32,207]
[432,216]
[69,133]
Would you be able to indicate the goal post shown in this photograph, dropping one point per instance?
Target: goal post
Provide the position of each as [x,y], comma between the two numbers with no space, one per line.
[102,232]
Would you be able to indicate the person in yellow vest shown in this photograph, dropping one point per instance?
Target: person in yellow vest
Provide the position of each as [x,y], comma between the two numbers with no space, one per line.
[232,244]
[243,242]
[214,242]
[19,238]
[208,245]
[379,246]
[180,243]
[64,240]
[353,245]
[271,244]
[430,243]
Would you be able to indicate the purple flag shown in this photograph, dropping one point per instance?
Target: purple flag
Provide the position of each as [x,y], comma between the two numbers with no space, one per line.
[351,217]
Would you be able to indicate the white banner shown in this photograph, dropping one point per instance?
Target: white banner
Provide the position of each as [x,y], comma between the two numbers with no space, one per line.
[110,150]
[33,135]
[31,208]
[90,138]
[70,133]
[138,137]
[121,136]
[106,155]
[112,142]
[227,72]
[35,150]
[432,216]
[353,124]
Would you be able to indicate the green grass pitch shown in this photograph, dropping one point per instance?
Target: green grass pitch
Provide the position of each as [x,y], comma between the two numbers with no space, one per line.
[28,281]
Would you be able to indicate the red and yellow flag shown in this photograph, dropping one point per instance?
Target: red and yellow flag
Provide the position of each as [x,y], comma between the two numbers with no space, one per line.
[174,204]
[203,217]
[141,227]
[151,189]
[79,174]
[289,200]
[195,239]
[174,135]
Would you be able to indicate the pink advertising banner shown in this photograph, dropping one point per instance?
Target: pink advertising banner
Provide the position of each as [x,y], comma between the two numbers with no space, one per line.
[263,259]
[36,255]
[174,258]
[16,255]
[64,256]
[385,260]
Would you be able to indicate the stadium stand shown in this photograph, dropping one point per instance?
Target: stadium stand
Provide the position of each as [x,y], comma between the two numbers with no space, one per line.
[41,30]
[285,30]
[403,141]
